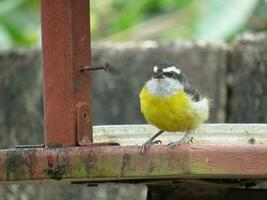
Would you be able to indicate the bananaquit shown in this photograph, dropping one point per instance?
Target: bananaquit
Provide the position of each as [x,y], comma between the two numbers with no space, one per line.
[169,102]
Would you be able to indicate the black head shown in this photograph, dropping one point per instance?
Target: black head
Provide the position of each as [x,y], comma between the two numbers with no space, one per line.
[164,70]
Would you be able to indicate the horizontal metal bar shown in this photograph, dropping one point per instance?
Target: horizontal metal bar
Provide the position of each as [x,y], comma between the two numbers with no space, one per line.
[125,163]
[232,134]
[213,159]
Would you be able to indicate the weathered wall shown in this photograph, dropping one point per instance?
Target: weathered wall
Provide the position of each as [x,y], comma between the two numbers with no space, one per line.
[234,76]
[72,192]
[247,89]
[115,94]
[21,117]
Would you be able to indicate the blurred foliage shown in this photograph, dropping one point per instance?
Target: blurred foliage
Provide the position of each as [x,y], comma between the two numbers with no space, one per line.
[19,22]
[163,20]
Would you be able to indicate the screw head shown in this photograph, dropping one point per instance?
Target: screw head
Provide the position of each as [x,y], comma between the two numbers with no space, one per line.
[85,116]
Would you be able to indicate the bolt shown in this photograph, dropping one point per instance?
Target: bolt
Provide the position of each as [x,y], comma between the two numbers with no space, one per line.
[104,66]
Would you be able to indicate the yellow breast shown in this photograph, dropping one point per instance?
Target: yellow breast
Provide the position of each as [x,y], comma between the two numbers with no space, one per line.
[172,113]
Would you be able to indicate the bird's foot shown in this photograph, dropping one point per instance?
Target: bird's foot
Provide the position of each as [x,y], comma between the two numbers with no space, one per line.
[184,140]
[147,144]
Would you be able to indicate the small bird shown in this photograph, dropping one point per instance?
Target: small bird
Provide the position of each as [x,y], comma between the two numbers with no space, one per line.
[170,103]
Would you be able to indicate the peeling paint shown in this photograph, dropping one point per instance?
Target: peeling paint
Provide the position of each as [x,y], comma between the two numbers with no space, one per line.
[125,162]
[56,170]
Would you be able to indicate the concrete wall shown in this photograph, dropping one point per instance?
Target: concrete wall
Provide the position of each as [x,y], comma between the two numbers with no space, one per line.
[115,94]
[247,85]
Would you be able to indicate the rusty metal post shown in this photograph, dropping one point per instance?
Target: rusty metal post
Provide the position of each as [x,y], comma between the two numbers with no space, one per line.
[67,91]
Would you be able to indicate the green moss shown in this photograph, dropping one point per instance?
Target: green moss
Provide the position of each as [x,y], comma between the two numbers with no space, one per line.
[81,170]
[17,167]
[199,168]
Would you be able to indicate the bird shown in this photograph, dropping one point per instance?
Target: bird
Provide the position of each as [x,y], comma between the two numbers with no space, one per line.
[169,102]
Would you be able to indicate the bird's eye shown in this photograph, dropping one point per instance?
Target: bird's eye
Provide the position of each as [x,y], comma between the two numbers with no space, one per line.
[169,74]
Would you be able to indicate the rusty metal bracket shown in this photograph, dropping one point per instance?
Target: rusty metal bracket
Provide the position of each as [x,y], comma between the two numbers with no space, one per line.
[83,124]
[66,47]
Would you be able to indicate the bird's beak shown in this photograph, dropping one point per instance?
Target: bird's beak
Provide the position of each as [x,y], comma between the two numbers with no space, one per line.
[158,74]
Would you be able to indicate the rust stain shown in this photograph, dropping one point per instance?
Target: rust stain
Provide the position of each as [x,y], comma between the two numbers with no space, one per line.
[58,169]
[90,162]
[58,163]
[125,162]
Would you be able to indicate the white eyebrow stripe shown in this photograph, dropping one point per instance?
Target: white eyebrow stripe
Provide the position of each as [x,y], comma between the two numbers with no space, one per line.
[156,69]
[172,69]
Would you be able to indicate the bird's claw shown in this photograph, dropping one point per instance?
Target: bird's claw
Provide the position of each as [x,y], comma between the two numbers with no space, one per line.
[184,140]
[147,144]
[157,142]
[191,140]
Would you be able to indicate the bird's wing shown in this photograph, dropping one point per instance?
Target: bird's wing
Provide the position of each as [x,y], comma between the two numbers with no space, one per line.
[192,92]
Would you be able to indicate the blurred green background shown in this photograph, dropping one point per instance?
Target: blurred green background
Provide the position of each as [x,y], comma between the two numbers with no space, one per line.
[162,20]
